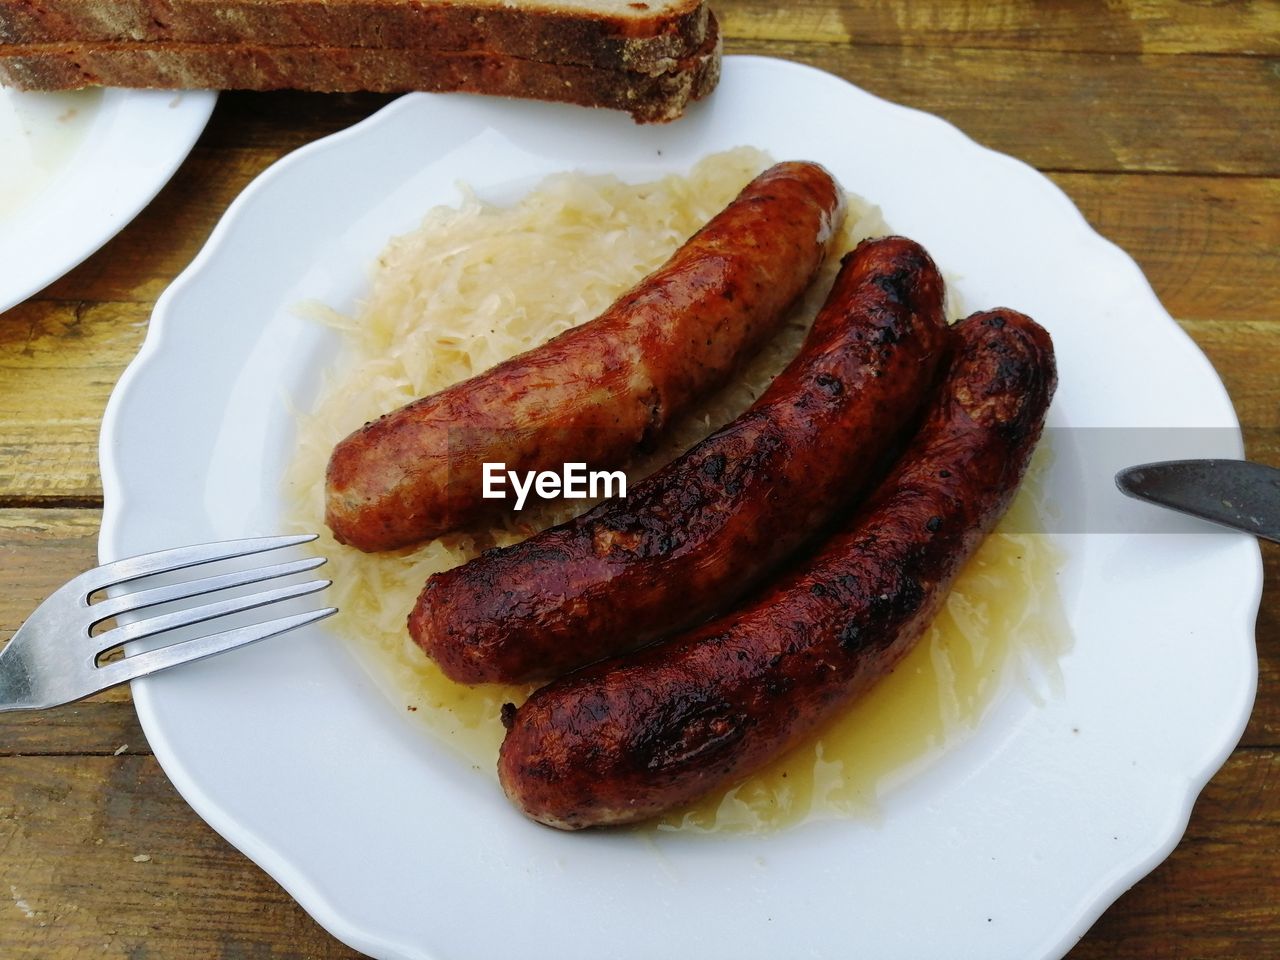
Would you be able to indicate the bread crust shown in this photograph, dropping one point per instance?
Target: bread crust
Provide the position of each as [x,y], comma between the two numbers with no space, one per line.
[648,98]
[648,41]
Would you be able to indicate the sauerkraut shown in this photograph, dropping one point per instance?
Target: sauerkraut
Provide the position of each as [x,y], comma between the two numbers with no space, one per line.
[474,285]
[478,283]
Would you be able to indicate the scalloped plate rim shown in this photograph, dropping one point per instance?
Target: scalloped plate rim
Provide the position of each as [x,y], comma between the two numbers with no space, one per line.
[332,916]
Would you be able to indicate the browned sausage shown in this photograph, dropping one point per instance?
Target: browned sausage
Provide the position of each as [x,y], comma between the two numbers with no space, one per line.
[597,392]
[699,533]
[629,738]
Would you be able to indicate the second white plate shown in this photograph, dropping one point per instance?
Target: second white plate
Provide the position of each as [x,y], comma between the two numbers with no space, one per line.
[79,166]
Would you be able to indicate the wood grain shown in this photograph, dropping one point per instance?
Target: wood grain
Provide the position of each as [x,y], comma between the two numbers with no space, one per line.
[39,551]
[1264,724]
[1121,26]
[104,859]
[1207,244]
[1076,111]
[71,828]
[59,361]
[1093,112]
[1159,118]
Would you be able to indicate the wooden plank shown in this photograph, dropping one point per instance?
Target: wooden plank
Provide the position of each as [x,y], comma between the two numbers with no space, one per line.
[1264,724]
[1244,354]
[1074,111]
[286,119]
[1082,89]
[72,827]
[104,859]
[59,362]
[39,551]
[104,726]
[1207,244]
[1121,26]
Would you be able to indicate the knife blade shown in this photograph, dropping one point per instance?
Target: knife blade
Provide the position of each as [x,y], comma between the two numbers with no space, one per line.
[1239,494]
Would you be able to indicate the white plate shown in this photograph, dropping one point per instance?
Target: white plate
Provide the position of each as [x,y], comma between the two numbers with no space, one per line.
[79,166]
[1009,847]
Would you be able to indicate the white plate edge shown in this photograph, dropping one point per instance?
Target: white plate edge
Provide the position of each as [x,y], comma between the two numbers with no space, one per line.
[196,108]
[275,864]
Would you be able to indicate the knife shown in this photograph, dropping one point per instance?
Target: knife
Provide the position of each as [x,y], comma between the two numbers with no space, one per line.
[1235,493]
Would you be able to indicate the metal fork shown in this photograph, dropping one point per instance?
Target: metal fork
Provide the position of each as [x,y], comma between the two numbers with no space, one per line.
[54,658]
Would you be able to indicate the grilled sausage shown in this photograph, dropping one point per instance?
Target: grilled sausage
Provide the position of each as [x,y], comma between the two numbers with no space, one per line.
[629,738]
[699,533]
[597,392]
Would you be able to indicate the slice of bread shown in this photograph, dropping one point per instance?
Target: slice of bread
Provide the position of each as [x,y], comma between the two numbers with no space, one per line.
[645,36]
[648,98]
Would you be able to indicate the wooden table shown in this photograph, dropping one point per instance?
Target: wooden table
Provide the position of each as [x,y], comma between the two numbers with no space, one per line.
[1160,118]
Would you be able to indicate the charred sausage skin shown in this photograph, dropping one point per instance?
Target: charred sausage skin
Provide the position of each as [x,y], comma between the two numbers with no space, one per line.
[597,392]
[699,533]
[630,738]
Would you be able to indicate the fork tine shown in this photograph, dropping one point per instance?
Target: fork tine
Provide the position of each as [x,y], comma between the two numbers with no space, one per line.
[139,665]
[141,599]
[165,561]
[182,618]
